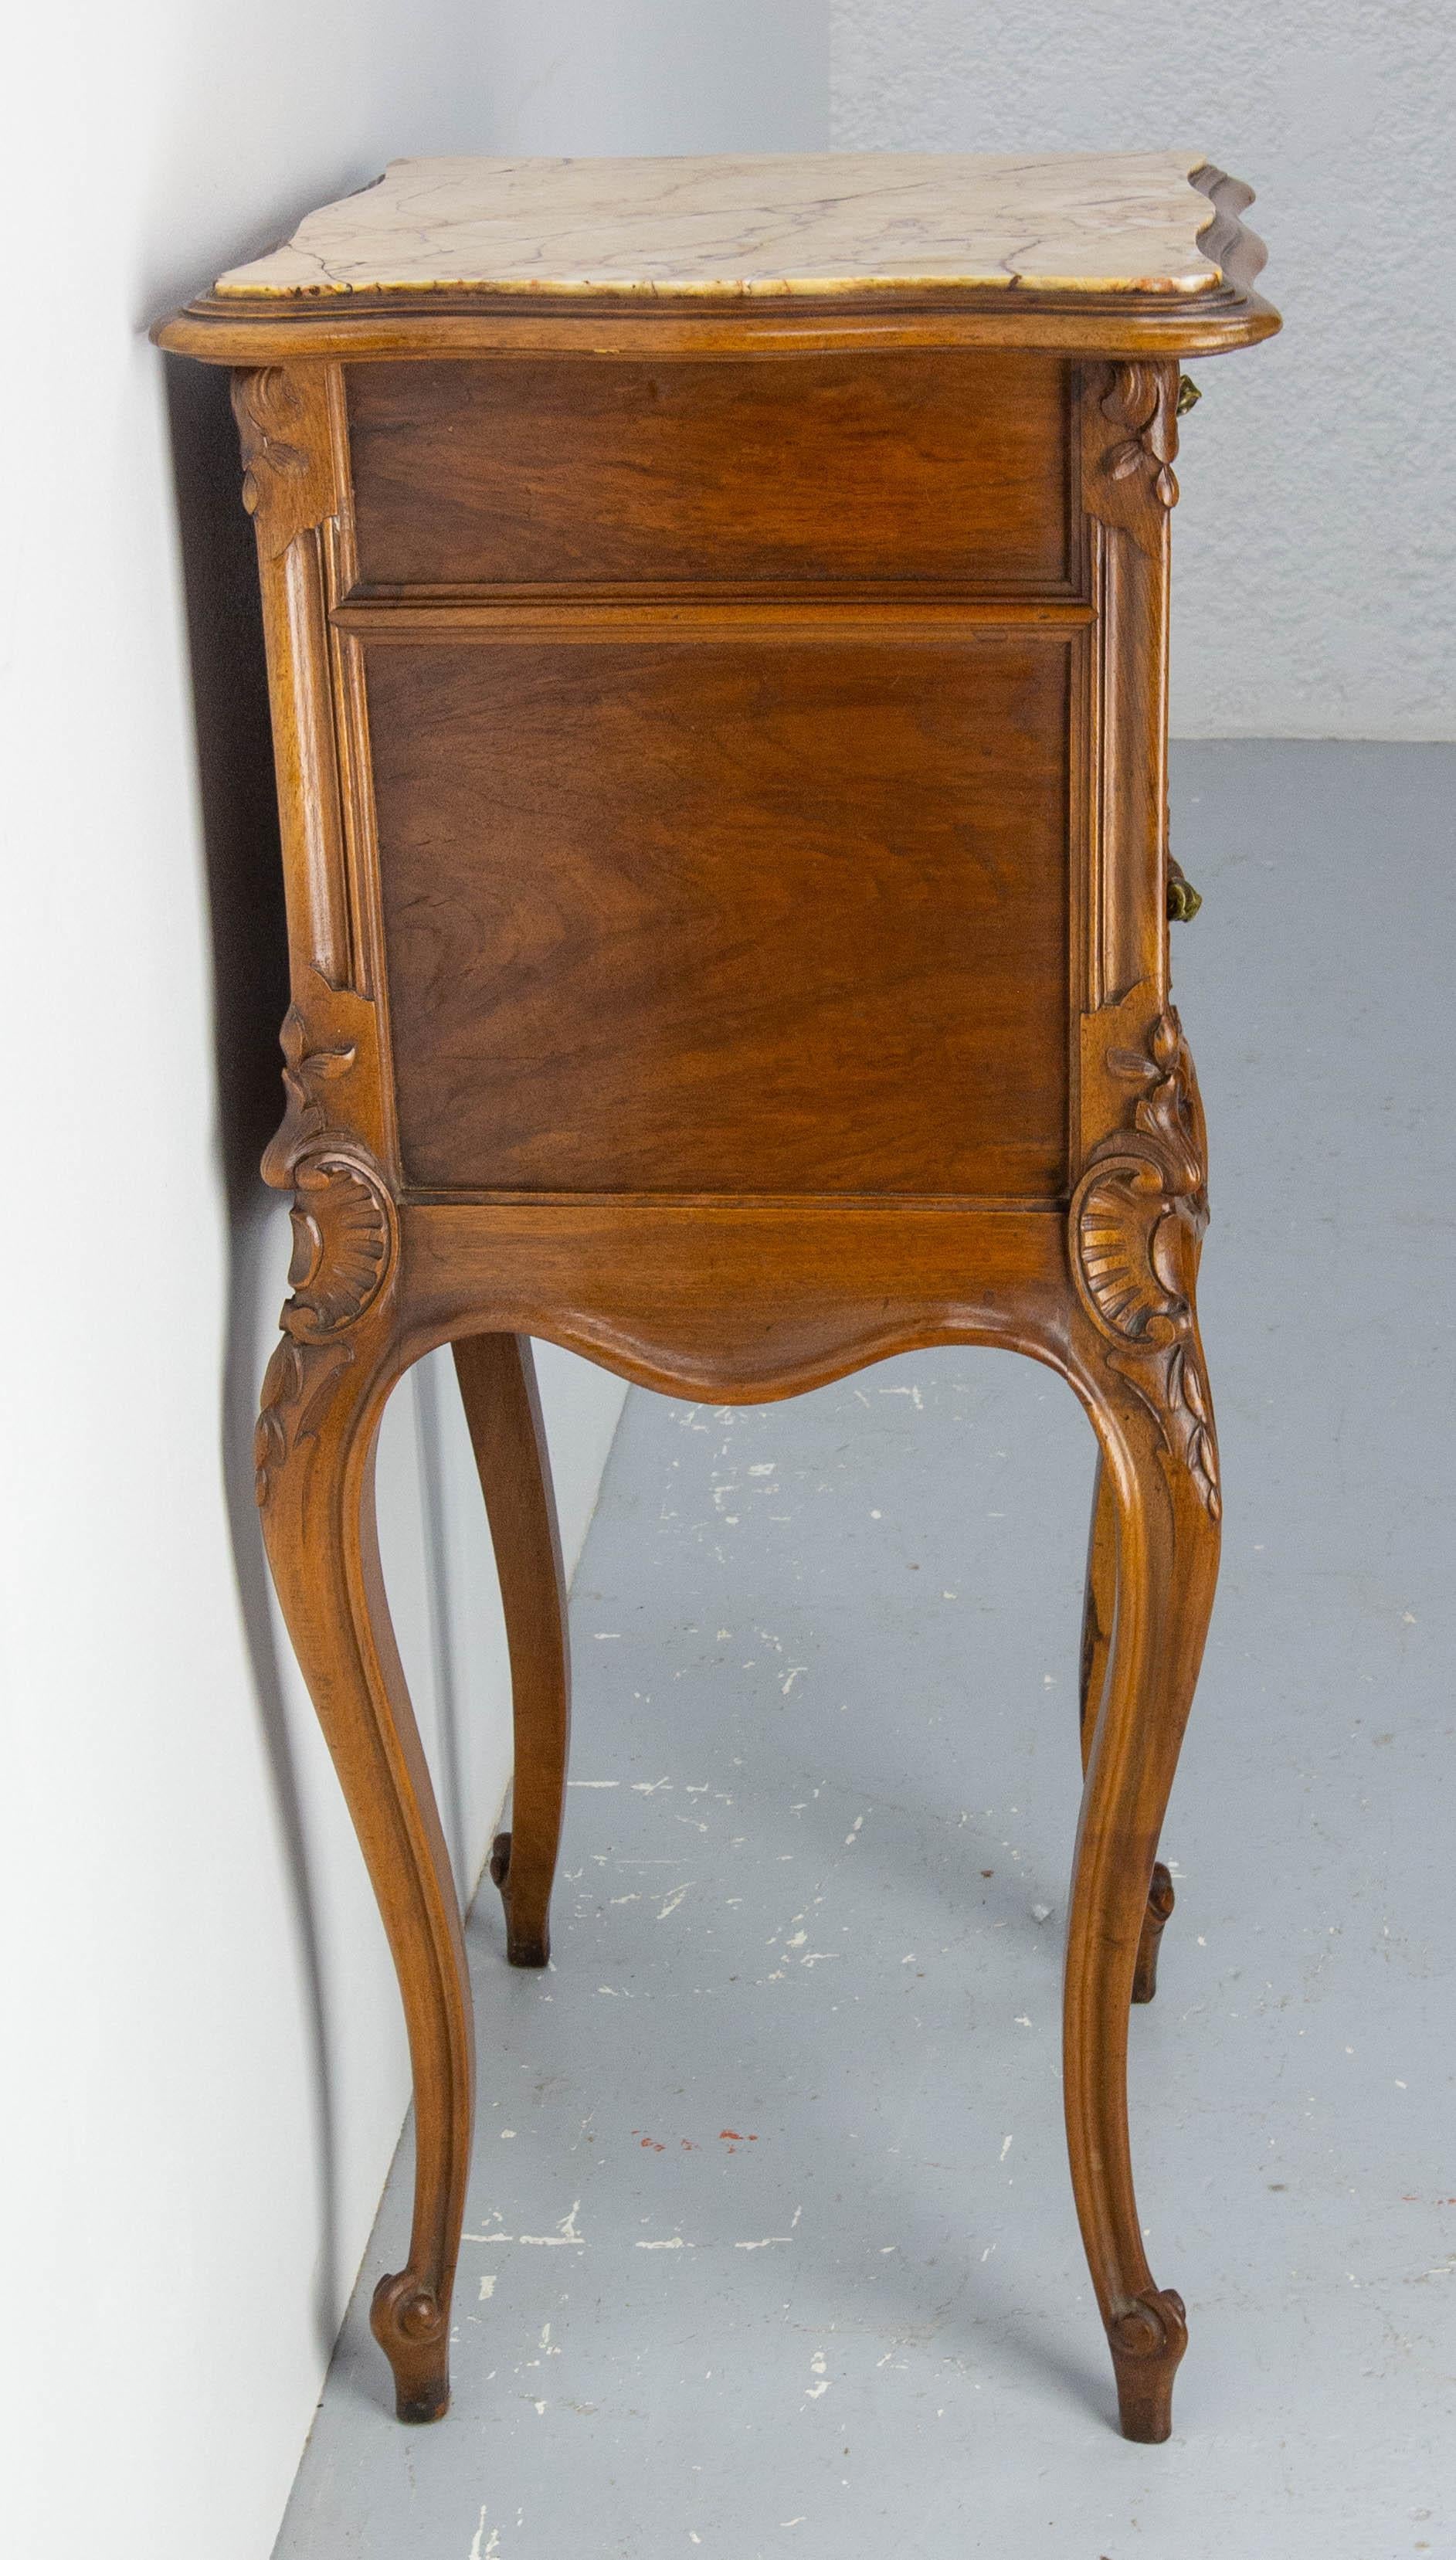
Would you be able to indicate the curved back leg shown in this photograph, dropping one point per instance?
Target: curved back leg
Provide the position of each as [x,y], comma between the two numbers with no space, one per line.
[1099,1610]
[317,1433]
[1152,1420]
[497,1375]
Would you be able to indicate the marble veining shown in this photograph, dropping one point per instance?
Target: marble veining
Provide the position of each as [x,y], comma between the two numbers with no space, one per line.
[810,223]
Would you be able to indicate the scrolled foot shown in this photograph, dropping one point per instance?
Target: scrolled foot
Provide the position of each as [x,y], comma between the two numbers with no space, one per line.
[1161,1899]
[527,1937]
[413,2330]
[1148,2343]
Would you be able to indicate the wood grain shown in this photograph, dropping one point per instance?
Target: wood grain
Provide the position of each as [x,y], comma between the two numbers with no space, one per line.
[1099,1616]
[727,918]
[1168,1562]
[497,1375]
[317,1437]
[738,1303]
[942,467]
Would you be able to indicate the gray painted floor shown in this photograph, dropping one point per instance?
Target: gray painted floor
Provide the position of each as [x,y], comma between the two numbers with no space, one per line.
[771,2247]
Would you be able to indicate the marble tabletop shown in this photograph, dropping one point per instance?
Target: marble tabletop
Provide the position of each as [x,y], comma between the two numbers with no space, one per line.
[808,222]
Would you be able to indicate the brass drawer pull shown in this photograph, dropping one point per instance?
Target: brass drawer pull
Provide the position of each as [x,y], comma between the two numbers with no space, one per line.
[1184,900]
[1189,395]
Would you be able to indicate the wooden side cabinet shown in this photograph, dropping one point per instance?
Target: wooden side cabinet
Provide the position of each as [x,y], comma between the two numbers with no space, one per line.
[717,621]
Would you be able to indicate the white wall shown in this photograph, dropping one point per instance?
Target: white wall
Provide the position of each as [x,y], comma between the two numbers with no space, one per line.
[1316,538]
[655,76]
[204,2061]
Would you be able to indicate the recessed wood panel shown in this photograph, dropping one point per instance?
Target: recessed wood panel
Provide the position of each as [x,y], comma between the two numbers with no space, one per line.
[731,917]
[902,467]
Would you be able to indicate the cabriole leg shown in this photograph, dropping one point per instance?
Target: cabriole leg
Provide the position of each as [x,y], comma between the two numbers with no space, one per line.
[1158,1460]
[1099,1610]
[497,1375]
[321,1408]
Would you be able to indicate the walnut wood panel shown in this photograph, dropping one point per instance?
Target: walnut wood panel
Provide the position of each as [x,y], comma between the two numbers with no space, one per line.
[941,466]
[727,917]
[736,1303]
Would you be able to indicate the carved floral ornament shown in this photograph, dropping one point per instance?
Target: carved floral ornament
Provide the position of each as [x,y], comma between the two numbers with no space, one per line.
[345,1233]
[305,1117]
[1137,1222]
[297,1384]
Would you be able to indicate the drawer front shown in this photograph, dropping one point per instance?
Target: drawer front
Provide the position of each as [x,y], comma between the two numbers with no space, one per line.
[900,468]
[732,916]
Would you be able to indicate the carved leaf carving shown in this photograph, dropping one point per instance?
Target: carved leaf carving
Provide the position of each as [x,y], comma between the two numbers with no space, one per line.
[297,1383]
[305,1072]
[269,408]
[1144,399]
[1138,1217]
[289,483]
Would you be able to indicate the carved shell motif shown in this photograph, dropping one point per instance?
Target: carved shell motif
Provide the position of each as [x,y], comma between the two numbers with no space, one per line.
[343,1216]
[343,1240]
[1120,1253]
[1138,1216]
[344,1233]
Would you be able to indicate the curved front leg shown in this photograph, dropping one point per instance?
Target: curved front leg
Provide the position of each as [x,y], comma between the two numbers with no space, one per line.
[497,1375]
[323,1396]
[1099,1611]
[1150,1411]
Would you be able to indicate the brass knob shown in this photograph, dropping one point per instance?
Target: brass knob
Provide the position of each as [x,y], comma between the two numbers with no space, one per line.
[1189,395]
[1184,900]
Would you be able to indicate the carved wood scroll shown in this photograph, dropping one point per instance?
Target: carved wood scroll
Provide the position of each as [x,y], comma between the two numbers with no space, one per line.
[345,1240]
[1137,1222]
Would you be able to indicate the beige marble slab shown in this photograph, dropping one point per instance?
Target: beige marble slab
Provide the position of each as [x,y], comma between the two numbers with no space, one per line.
[813,222]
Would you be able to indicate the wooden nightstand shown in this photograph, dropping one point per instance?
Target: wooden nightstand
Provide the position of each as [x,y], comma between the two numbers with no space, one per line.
[716,624]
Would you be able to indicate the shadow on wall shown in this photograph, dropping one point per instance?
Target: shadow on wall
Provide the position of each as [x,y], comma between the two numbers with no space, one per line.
[240,824]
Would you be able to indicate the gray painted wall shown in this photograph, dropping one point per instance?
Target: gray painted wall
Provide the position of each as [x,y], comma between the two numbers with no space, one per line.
[1314,587]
